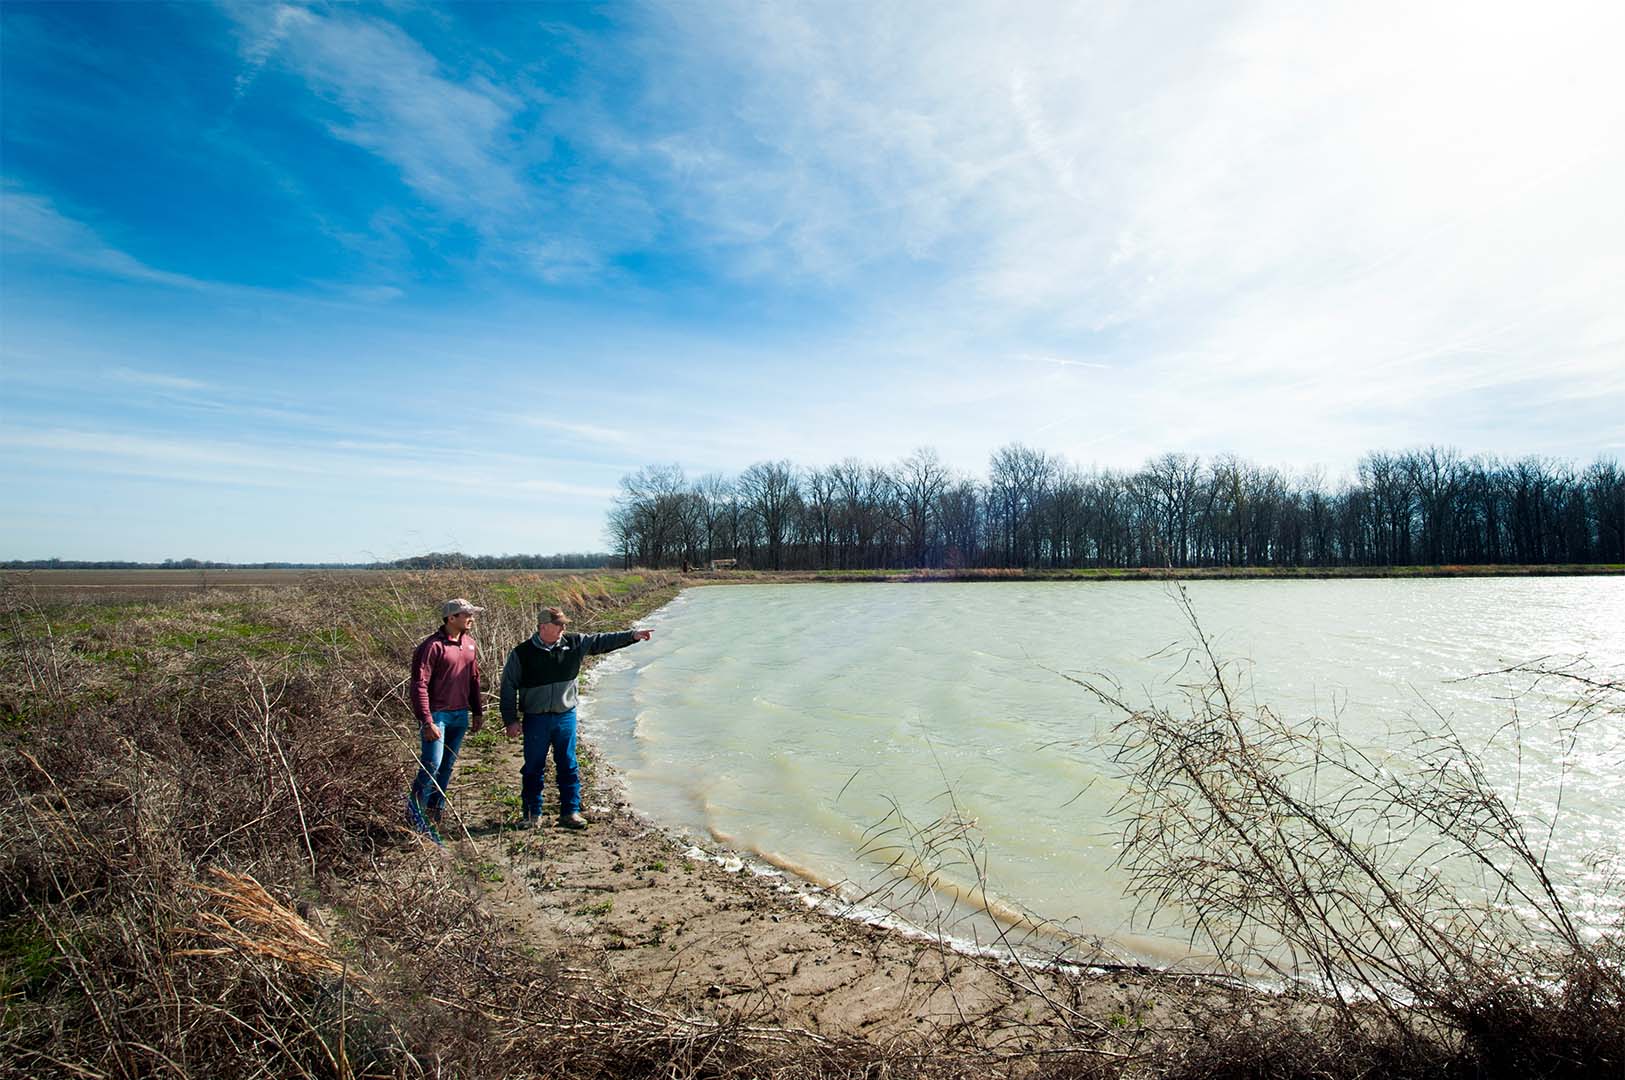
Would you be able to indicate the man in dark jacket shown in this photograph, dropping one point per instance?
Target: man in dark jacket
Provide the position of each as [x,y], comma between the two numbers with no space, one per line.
[446,700]
[539,681]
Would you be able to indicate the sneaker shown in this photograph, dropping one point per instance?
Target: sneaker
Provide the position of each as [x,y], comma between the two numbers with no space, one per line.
[572,821]
[419,821]
[529,821]
[435,814]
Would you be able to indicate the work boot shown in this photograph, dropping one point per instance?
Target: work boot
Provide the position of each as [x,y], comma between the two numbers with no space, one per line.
[572,821]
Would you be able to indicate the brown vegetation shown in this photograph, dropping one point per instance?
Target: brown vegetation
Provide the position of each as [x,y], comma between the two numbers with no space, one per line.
[203,872]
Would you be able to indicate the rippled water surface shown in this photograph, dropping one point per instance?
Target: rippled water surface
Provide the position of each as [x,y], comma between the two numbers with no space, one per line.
[786,720]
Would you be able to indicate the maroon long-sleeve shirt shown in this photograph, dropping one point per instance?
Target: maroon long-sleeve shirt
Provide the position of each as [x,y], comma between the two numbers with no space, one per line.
[446,676]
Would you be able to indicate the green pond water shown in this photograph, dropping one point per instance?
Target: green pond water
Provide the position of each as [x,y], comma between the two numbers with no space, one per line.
[789,721]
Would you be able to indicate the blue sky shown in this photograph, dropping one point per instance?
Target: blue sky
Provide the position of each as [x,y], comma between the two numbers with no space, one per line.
[333,282]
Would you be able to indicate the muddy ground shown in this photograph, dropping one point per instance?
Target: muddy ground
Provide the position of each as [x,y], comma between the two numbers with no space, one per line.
[703,932]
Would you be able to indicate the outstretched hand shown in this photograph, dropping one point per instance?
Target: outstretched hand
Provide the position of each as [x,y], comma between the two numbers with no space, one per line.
[642,635]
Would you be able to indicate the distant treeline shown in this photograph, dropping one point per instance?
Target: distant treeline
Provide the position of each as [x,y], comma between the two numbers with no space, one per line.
[1429,506]
[437,560]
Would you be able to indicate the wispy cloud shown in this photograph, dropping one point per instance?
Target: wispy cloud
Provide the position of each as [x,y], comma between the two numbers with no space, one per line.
[1265,214]
[1121,162]
[271,25]
[466,142]
[447,136]
[338,466]
[748,229]
[157,379]
[372,294]
[593,433]
[32,225]
[1063,361]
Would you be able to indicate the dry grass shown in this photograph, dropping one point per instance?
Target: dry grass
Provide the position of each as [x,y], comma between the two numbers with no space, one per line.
[203,873]
[251,921]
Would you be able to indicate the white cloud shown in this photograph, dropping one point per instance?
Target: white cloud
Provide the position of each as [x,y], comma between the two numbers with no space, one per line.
[32,225]
[343,466]
[273,24]
[1109,231]
[447,136]
[157,379]
[1274,215]
[1062,361]
[372,294]
[589,432]
[459,137]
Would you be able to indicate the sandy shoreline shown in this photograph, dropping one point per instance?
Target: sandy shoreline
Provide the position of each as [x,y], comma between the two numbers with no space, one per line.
[717,934]
[708,933]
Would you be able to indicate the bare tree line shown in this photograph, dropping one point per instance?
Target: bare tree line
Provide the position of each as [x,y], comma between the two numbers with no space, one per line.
[1427,506]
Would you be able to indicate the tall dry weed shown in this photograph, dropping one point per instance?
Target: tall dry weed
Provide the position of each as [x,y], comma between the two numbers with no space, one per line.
[1406,886]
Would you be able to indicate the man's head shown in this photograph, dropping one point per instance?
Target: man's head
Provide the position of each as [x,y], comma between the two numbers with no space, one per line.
[458,615]
[550,624]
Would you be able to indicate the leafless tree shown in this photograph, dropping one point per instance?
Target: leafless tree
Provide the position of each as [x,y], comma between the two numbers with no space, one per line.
[822,493]
[1428,504]
[770,492]
[917,486]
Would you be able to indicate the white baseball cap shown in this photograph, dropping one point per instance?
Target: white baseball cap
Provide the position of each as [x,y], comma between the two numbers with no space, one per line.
[458,607]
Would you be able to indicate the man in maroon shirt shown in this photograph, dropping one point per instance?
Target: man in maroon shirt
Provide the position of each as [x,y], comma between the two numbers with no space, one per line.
[446,701]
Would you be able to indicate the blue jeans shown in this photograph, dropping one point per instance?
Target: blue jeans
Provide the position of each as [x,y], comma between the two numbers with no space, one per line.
[436,761]
[558,732]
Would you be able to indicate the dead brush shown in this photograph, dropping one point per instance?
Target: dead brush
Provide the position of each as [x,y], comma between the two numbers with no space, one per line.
[202,870]
[118,790]
[1404,887]
[250,920]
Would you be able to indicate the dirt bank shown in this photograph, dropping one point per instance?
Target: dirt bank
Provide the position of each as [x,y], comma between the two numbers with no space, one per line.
[703,932]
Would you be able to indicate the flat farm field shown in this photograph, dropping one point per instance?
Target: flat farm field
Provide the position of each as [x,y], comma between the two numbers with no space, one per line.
[160,582]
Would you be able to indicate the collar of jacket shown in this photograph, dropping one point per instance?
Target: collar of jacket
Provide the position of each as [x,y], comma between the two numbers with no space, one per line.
[536,640]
